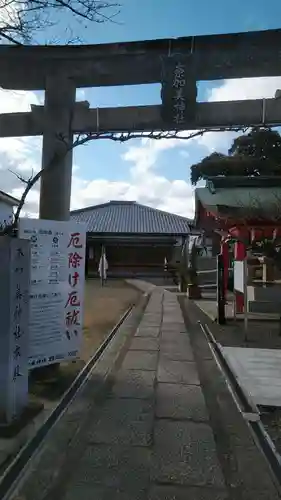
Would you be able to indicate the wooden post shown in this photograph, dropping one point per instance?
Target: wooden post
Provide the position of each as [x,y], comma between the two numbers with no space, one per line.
[245,299]
[220,291]
[225,261]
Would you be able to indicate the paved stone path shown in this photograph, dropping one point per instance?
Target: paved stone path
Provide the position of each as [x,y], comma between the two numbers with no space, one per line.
[151,438]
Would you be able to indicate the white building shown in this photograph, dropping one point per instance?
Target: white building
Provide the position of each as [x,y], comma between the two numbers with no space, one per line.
[7,204]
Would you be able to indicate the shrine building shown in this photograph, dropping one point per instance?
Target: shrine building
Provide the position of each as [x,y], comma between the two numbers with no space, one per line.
[239,214]
[7,204]
[137,239]
[250,204]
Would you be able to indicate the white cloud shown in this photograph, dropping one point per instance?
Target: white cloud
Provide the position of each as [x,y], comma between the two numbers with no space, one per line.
[80,95]
[17,154]
[153,189]
[245,88]
[8,13]
[22,155]
[145,184]
[184,154]
[235,90]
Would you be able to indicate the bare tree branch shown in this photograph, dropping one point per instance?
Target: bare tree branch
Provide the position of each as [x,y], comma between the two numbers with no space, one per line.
[9,38]
[83,139]
[21,178]
[20,20]
[155,135]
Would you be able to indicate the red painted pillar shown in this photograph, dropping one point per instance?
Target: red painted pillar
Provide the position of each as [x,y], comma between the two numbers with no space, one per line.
[239,254]
[225,258]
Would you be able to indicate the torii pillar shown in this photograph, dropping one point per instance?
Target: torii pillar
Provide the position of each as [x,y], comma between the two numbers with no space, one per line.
[55,191]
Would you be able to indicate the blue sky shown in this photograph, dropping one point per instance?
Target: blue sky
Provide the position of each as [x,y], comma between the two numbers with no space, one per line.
[152,173]
[165,19]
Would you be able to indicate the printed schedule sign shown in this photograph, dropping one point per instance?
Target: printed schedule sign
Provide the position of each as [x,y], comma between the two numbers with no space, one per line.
[57,289]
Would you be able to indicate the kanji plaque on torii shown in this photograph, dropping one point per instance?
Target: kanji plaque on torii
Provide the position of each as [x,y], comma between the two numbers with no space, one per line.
[179,92]
[59,70]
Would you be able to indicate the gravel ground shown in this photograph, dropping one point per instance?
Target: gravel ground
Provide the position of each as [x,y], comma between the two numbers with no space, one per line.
[103,307]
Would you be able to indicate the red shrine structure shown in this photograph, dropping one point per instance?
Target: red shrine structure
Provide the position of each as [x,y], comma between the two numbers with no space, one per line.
[236,213]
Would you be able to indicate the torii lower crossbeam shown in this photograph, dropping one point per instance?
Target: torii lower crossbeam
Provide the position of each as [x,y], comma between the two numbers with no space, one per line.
[146,118]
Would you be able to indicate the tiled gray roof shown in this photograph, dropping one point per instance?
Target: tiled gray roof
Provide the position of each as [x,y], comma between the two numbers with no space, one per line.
[239,197]
[130,217]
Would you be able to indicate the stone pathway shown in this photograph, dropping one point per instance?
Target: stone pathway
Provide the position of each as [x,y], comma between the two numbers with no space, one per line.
[151,438]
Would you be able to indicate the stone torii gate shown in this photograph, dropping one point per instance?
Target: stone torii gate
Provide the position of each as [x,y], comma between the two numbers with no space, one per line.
[176,63]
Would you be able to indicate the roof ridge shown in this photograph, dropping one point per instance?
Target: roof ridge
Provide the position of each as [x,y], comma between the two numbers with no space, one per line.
[91,207]
[122,202]
[9,198]
[164,212]
[131,218]
[130,203]
[105,204]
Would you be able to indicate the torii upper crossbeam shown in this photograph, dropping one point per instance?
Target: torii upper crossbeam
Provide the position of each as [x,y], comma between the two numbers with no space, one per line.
[60,70]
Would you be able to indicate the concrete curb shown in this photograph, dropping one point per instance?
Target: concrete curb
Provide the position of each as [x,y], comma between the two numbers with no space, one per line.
[38,477]
[248,475]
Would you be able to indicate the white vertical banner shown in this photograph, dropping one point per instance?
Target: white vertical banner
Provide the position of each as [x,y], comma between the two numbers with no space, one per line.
[14,338]
[75,291]
[239,276]
[57,289]
[91,253]
[103,266]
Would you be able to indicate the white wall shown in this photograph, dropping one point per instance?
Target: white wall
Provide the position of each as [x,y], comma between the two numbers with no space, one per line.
[6,212]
